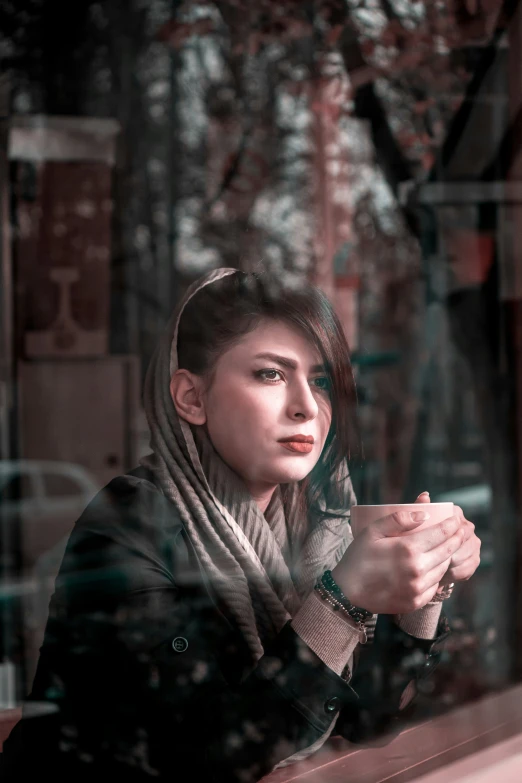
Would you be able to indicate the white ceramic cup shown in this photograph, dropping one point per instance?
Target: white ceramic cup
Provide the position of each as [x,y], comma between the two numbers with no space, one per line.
[362,516]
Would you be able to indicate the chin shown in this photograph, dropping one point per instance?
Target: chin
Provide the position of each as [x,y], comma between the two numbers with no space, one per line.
[287,474]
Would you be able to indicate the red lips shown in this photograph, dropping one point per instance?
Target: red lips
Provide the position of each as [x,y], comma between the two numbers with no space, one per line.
[299,444]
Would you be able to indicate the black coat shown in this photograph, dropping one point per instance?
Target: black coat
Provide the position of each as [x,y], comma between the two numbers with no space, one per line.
[146,674]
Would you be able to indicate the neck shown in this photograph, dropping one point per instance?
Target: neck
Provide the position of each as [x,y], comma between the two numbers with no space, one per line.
[261,495]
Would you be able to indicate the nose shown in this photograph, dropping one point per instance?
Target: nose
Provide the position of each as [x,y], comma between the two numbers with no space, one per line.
[302,404]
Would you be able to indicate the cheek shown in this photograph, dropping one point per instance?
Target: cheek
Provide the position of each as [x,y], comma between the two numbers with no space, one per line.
[240,414]
[324,419]
[257,403]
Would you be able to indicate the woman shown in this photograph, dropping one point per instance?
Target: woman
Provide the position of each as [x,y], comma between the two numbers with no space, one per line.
[211,604]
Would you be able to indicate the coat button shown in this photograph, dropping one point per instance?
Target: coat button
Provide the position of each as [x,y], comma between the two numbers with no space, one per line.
[179,644]
[332,705]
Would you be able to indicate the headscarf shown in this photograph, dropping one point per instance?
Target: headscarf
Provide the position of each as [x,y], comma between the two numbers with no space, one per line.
[244,552]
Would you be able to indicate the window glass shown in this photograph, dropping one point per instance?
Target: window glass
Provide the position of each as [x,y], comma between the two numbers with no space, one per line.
[60,485]
[372,148]
[18,487]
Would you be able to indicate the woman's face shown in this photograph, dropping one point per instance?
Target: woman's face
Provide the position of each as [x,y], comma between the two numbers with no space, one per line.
[268,408]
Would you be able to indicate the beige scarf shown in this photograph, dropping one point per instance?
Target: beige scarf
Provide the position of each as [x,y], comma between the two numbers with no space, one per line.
[262,566]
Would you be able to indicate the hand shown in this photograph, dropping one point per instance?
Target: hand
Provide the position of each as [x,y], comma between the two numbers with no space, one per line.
[393,568]
[466,559]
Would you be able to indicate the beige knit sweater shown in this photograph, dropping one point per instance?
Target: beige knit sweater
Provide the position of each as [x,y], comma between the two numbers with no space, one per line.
[334,638]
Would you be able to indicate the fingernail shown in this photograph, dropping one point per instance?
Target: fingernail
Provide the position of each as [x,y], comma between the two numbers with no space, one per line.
[423,494]
[420,516]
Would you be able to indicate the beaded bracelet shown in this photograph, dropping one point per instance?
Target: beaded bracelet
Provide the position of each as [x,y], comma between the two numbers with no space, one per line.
[331,586]
[329,598]
[336,606]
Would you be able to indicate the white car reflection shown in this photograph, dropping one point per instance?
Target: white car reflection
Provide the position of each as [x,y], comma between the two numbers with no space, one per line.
[40,501]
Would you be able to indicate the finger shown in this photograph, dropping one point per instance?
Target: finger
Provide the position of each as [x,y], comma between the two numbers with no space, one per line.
[431,537]
[468,549]
[424,497]
[459,512]
[428,595]
[468,529]
[463,571]
[396,524]
[468,526]
[431,583]
[443,553]
[435,575]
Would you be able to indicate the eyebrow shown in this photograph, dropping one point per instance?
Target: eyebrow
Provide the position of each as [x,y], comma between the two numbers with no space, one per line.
[284,361]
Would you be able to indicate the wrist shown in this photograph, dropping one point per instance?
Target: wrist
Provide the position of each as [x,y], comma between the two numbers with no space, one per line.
[342,578]
[328,589]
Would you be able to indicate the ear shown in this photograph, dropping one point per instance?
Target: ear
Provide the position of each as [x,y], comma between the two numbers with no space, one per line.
[186,390]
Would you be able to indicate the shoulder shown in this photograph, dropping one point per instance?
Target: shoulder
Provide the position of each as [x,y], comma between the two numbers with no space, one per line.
[135,498]
[136,484]
[131,517]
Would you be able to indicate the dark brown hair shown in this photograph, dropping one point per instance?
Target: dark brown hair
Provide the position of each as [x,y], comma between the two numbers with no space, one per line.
[224,311]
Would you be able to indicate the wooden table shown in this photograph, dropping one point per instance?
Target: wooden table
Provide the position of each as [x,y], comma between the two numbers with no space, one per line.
[478,743]
[459,746]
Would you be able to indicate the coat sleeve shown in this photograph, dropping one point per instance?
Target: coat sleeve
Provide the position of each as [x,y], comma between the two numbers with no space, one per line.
[389,674]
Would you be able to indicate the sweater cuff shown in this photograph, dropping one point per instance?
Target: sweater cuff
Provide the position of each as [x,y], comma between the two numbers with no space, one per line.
[332,638]
[422,623]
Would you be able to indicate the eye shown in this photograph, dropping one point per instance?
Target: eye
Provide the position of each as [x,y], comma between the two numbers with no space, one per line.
[270,376]
[322,383]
